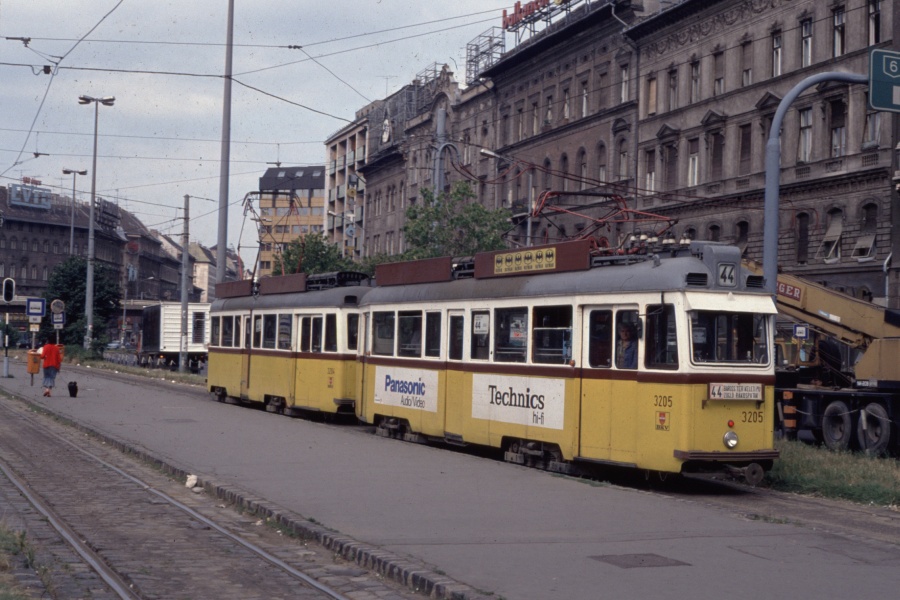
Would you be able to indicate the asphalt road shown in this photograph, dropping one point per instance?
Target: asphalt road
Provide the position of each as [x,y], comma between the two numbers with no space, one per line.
[514,532]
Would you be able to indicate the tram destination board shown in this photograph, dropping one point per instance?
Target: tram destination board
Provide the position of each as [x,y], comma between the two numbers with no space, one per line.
[568,256]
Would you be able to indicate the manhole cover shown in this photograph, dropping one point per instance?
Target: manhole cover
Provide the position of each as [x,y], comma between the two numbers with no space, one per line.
[634,561]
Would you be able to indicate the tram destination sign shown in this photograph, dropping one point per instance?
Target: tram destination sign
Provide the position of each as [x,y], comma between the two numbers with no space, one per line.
[568,256]
[736,391]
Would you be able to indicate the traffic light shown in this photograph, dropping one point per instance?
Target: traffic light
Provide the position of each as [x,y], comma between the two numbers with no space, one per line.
[9,290]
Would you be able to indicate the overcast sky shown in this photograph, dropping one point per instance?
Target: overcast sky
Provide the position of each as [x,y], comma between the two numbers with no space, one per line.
[163,61]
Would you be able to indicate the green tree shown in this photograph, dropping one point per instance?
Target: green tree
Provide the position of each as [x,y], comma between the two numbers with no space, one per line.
[313,254]
[453,224]
[68,283]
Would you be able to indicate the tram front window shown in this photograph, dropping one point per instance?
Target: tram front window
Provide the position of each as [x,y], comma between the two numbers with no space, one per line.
[726,337]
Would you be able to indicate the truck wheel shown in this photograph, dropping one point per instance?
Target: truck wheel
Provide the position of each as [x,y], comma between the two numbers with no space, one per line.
[836,431]
[874,430]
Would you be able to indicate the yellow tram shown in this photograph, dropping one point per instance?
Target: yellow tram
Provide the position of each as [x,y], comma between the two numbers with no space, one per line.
[560,357]
[290,346]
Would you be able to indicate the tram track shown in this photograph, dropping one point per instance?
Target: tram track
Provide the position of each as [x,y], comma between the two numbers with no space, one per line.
[104,527]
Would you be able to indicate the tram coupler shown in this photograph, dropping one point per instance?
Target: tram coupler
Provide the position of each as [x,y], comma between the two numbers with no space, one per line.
[752,474]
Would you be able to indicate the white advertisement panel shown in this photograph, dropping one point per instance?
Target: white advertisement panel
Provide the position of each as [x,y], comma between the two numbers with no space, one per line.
[407,388]
[532,401]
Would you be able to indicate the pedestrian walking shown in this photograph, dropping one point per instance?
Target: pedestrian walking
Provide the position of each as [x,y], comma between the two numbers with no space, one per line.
[52,361]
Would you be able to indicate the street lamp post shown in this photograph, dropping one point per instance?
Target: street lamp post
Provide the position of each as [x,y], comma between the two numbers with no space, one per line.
[74,173]
[89,284]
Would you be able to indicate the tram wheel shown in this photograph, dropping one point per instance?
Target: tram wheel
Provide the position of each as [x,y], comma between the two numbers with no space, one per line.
[874,430]
[836,430]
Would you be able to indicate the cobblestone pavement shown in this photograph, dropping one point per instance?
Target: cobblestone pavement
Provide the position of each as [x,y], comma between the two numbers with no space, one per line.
[159,550]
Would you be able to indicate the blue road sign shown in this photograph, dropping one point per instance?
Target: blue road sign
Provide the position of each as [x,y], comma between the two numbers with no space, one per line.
[35,307]
[884,80]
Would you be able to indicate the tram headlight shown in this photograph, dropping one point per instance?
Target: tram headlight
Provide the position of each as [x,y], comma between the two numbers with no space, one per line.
[730,439]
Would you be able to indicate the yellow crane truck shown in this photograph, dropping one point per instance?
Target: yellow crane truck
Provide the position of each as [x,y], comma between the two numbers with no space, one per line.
[859,409]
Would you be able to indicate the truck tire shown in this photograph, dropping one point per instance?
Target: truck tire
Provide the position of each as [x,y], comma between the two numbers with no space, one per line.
[874,430]
[836,431]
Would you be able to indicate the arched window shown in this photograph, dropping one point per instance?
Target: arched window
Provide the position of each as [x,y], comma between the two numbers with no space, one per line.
[47,246]
[564,172]
[548,178]
[34,245]
[12,271]
[830,250]
[582,170]
[865,243]
[2,241]
[2,270]
[622,151]
[601,163]
[33,271]
[45,274]
[13,244]
[713,233]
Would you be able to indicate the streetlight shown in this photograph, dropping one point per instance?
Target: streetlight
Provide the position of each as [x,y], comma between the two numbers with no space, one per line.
[74,173]
[89,284]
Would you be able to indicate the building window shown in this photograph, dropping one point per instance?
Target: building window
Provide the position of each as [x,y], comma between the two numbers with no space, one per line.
[714,233]
[695,81]
[804,143]
[548,115]
[830,250]
[583,169]
[747,64]
[673,90]
[2,270]
[601,163]
[719,72]
[670,162]
[47,246]
[650,170]
[623,159]
[34,272]
[584,99]
[623,84]
[651,95]
[776,54]
[564,173]
[806,39]
[872,133]
[716,155]
[548,176]
[535,118]
[745,163]
[520,124]
[839,19]
[693,174]
[865,245]
[45,274]
[566,108]
[838,129]
[874,22]
[13,244]
[12,271]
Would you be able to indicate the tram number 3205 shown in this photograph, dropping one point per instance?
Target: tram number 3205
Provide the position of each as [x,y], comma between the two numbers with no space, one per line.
[751,416]
[662,401]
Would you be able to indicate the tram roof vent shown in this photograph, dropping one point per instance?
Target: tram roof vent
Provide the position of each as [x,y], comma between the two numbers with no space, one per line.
[463,268]
[757,282]
[697,280]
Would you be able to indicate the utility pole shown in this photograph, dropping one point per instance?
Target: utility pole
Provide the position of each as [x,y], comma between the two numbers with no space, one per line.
[224,165]
[185,264]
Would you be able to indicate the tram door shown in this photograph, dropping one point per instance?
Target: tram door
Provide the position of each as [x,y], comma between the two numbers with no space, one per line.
[608,408]
[243,340]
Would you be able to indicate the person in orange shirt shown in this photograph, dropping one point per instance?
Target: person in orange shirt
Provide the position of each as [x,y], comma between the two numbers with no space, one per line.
[52,361]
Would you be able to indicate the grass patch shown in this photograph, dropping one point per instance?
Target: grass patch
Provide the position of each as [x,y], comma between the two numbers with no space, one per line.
[12,545]
[807,469]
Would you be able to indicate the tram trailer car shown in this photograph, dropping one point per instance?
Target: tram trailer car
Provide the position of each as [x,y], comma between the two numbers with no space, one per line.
[289,346]
[161,332]
[523,355]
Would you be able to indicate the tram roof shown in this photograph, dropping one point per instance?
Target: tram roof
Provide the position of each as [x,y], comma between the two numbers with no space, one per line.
[334,297]
[683,273]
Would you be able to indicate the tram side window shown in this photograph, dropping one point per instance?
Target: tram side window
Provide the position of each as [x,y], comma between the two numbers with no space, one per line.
[481,335]
[552,334]
[247,329]
[510,334]
[215,328]
[410,333]
[316,334]
[352,331]
[661,349]
[600,330]
[284,332]
[330,333]
[433,334]
[383,333]
[270,331]
[257,331]
[627,339]
[305,334]
[228,331]
[457,329]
